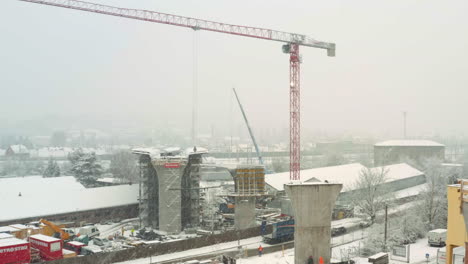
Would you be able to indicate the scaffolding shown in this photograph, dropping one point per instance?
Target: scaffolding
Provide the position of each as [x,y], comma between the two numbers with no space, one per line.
[169,190]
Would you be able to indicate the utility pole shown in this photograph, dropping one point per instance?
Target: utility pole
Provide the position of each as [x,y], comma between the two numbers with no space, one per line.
[385,232]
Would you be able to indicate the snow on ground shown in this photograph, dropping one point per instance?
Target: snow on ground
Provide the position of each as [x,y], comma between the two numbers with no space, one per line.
[348,245]
[253,242]
[418,252]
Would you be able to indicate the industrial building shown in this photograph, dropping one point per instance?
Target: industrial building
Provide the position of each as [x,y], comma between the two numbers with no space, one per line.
[28,198]
[402,179]
[400,176]
[396,151]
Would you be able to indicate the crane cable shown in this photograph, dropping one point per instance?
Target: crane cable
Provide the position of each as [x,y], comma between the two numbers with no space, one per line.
[195,88]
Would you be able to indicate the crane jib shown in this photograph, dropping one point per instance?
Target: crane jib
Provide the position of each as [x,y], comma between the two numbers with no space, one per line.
[193,23]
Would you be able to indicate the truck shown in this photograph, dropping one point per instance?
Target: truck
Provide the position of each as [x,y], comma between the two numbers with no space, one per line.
[74,246]
[50,248]
[284,231]
[91,231]
[281,231]
[437,237]
[14,250]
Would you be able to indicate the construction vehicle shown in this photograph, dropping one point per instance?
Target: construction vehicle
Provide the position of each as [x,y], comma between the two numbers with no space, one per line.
[82,239]
[58,231]
[260,159]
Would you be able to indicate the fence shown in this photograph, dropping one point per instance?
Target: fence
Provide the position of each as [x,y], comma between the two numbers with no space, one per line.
[146,251]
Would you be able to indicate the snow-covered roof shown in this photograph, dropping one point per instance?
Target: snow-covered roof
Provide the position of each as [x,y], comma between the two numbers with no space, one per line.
[45,238]
[19,149]
[5,235]
[108,180]
[408,143]
[412,191]
[19,226]
[54,152]
[47,196]
[345,174]
[398,171]
[8,229]
[75,243]
[12,242]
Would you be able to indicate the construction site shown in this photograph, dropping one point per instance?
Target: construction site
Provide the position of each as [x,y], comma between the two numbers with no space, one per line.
[189,206]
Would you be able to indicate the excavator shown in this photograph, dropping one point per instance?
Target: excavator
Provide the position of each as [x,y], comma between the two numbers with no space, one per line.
[58,231]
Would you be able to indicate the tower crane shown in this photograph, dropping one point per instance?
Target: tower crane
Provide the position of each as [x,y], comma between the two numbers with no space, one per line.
[292,43]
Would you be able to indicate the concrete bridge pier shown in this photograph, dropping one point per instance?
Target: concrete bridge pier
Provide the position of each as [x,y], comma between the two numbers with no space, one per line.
[312,204]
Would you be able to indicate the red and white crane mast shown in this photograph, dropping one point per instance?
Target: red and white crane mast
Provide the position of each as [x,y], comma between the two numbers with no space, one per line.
[292,40]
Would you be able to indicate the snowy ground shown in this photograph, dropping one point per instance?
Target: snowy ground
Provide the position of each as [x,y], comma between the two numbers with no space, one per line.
[417,254]
[343,246]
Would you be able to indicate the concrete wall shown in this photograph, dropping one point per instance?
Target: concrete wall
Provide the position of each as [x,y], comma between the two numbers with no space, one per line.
[387,155]
[312,205]
[90,216]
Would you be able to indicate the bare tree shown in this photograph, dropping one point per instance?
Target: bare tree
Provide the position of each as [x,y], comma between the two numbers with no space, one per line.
[434,197]
[124,166]
[369,192]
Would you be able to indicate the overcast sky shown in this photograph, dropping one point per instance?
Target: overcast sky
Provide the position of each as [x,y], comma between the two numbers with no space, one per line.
[392,56]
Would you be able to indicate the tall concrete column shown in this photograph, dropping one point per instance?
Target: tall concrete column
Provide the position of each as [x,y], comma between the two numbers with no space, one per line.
[244,212]
[312,205]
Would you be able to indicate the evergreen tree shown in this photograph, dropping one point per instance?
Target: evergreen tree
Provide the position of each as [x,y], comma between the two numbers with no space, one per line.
[52,169]
[85,167]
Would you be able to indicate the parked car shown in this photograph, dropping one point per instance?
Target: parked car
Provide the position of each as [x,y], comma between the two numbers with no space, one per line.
[336,231]
[102,242]
[365,223]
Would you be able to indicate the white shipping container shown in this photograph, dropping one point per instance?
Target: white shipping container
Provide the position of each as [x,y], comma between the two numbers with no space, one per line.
[441,256]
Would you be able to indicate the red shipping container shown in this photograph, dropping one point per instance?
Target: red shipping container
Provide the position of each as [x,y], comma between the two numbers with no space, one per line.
[13,250]
[50,248]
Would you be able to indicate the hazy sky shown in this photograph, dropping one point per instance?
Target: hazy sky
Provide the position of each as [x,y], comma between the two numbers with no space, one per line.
[392,56]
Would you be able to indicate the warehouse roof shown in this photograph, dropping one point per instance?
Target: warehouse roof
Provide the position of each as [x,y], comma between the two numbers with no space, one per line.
[346,174]
[333,174]
[47,196]
[408,143]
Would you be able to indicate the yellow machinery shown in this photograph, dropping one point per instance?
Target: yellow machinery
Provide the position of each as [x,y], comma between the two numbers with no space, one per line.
[55,229]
